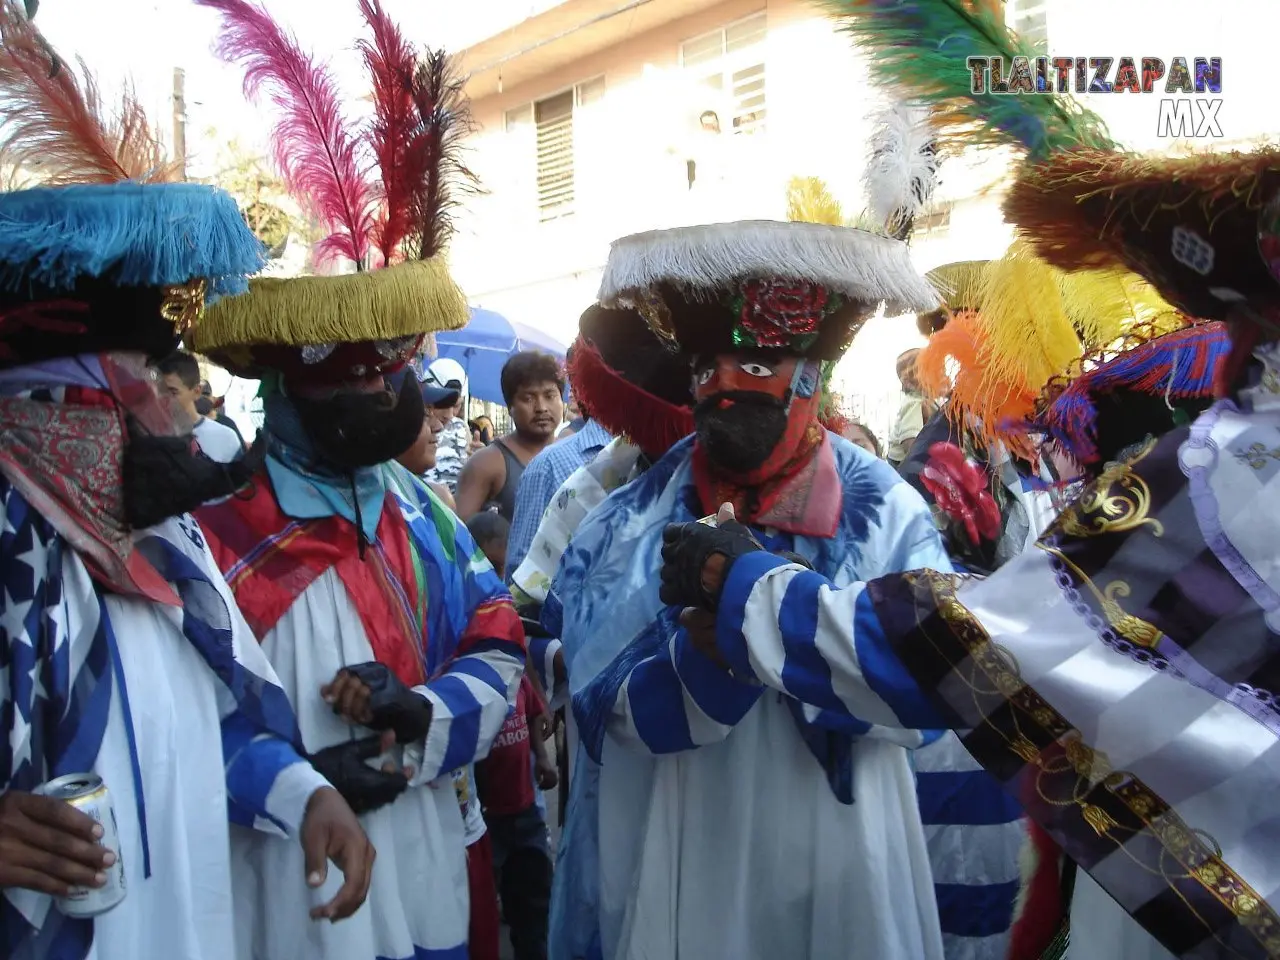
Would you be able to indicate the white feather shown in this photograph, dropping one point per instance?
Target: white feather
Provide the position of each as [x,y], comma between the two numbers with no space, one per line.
[902,170]
[860,265]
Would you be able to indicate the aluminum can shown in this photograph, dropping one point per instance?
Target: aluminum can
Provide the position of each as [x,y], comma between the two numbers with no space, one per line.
[88,794]
[710,521]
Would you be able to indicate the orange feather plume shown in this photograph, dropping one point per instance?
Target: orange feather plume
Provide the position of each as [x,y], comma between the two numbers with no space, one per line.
[54,121]
[956,364]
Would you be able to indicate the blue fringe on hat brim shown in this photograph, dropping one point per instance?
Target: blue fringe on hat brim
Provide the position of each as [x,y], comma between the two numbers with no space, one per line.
[131,234]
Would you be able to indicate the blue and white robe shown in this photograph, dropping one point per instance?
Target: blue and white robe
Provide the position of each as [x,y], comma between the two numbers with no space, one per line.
[178,711]
[726,821]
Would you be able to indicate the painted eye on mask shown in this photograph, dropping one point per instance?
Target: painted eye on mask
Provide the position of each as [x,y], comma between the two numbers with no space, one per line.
[755,369]
[703,377]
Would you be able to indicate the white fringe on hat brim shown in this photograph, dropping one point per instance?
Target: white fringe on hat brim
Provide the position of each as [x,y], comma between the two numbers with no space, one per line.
[712,258]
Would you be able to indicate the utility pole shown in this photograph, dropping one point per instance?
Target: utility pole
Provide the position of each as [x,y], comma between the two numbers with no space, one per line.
[180,121]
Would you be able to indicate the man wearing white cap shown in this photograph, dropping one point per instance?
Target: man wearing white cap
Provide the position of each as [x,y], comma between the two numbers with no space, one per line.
[455,442]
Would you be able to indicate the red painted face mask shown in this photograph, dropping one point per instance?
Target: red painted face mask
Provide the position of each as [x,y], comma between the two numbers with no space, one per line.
[756,414]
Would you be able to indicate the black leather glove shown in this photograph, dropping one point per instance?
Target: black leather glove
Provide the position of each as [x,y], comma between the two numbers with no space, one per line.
[795,558]
[363,787]
[533,628]
[394,706]
[686,548]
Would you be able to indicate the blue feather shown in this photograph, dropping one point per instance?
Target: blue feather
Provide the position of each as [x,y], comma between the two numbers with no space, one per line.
[128,233]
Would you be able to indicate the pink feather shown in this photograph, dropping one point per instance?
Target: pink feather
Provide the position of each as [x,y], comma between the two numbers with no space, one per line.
[395,134]
[314,146]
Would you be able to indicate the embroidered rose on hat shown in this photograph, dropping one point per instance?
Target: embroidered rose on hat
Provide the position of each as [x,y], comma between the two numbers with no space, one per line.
[775,313]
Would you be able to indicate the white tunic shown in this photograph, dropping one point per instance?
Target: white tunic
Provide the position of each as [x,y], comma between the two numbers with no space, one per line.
[741,850]
[183,911]
[417,907]
[720,836]
[418,898]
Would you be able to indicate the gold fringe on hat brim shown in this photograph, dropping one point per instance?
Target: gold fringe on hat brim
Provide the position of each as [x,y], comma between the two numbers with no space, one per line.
[408,299]
[1078,209]
[1116,308]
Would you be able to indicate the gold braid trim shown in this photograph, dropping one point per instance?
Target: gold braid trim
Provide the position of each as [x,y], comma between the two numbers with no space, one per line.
[1184,853]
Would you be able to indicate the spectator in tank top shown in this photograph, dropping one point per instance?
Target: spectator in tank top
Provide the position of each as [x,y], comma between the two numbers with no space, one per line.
[533,389]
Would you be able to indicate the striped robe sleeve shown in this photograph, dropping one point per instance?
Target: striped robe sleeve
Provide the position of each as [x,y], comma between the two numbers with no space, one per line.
[787,628]
[473,693]
[664,696]
[268,784]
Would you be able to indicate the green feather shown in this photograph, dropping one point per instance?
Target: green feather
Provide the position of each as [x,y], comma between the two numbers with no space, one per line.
[920,47]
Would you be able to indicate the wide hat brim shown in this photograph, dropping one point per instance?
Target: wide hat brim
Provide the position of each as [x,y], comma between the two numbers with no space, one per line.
[1188,225]
[802,288]
[330,329]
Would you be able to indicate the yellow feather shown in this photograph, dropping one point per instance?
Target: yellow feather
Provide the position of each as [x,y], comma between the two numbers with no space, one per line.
[1108,306]
[1028,332]
[809,201]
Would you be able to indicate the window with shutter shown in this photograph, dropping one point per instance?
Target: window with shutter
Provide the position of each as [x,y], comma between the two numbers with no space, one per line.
[730,63]
[554,119]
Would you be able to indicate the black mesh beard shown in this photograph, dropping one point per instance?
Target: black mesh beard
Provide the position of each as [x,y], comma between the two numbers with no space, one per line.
[741,437]
[354,430]
[164,477]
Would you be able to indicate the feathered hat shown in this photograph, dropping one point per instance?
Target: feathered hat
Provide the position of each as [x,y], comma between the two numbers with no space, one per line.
[960,285]
[630,383]
[392,228]
[110,256]
[801,288]
[1204,230]
[1028,325]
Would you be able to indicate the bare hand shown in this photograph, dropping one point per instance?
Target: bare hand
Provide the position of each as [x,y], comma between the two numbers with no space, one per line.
[349,697]
[701,626]
[332,832]
[546,774]
[49,846]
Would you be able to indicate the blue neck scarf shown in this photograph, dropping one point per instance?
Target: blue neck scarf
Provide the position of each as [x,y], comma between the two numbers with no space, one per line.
[305,486]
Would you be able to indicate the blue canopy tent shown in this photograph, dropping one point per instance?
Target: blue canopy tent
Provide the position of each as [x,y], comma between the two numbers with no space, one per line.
[486,343]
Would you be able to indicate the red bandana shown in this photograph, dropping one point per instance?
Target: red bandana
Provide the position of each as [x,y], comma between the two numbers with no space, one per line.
[67,460]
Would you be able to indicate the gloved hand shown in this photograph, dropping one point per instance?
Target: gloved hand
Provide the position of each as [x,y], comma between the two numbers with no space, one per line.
[364,788]
[690,576]
[371,695]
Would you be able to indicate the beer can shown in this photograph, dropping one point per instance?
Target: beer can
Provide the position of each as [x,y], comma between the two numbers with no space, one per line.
[88,794]
[710,521]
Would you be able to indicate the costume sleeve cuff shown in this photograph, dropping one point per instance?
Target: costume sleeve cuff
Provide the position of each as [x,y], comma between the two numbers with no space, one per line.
[723,697]
[731,638]
[542,651]
[292,791]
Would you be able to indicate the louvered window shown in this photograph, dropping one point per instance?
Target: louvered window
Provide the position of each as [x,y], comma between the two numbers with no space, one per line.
[554,120]
[729,62]
[549,123]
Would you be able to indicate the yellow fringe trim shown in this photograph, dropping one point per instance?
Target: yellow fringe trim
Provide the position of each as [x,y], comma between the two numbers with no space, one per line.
[960,285]
[400,301]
